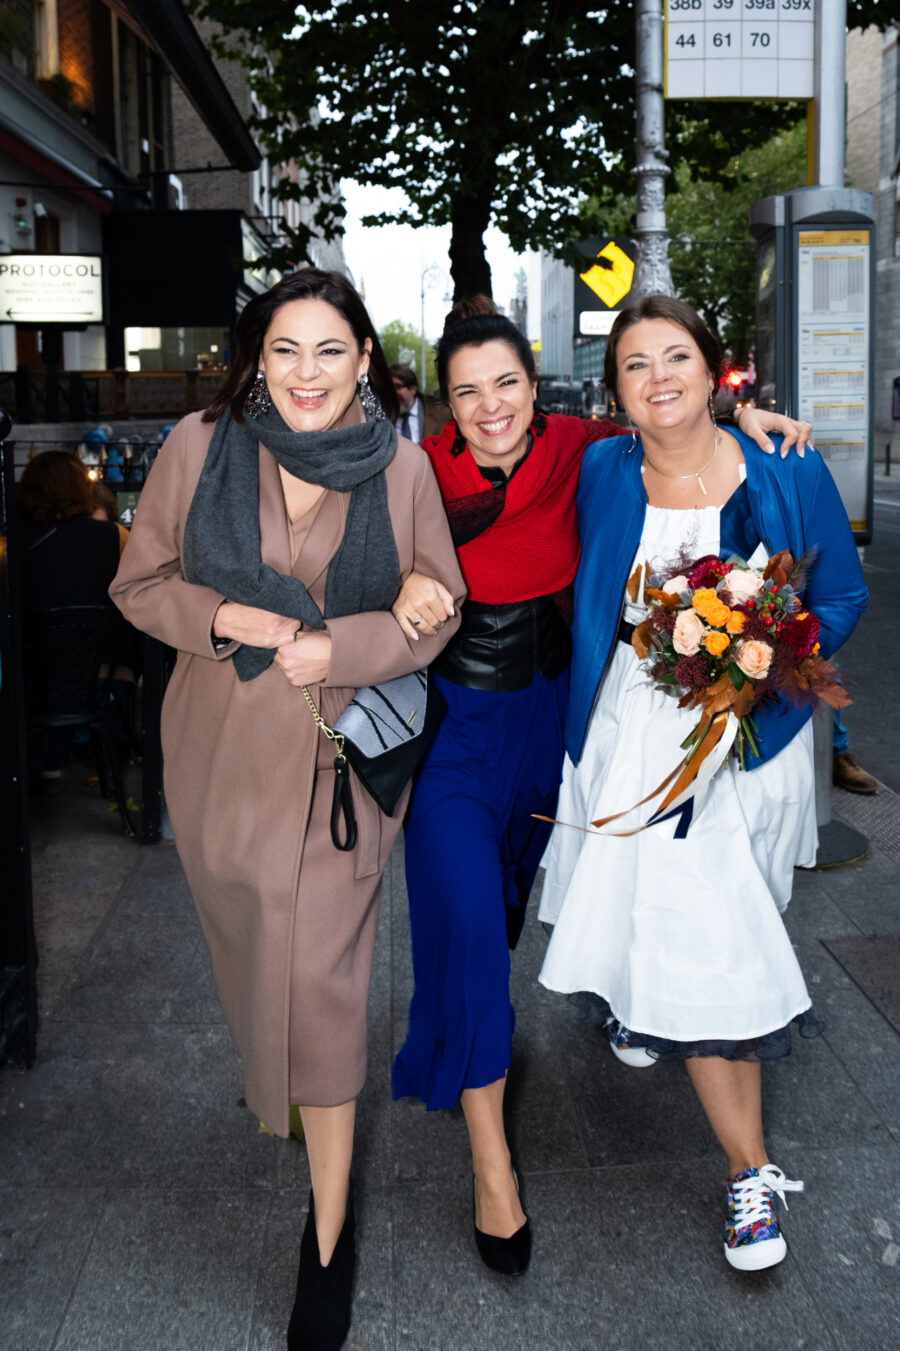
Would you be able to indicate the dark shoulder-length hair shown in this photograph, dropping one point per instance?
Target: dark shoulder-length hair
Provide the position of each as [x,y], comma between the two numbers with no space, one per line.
[54,486]
[472,323]
[307,283]
[660,307]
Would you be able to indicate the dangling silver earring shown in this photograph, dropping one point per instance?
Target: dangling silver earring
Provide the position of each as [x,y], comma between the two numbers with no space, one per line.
[259,400]
[370,400]
[634,436]
[712,410]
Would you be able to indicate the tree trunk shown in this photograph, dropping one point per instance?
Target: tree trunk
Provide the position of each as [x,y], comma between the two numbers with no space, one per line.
[469,267]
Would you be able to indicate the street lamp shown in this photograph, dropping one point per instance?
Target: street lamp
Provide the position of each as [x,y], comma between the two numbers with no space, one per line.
[432,276]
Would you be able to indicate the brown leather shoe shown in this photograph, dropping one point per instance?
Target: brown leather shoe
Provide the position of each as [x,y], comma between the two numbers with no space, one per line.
[847,774]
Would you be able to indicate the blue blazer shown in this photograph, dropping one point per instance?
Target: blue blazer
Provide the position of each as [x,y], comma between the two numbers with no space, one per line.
[793,504]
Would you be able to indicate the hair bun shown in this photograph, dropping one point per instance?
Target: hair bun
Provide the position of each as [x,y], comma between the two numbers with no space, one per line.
[472,307]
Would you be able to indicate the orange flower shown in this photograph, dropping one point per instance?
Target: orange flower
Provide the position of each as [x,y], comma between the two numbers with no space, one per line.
[736,622]
[718,615]
[816,649]
[709,607]
[716,643]
[703,597]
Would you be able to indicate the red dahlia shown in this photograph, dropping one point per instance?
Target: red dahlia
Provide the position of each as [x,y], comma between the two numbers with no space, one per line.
[801,635]
[708,571]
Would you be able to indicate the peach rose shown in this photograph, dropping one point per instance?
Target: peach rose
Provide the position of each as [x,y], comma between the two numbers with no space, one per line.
[741,586]
[687,634]
[716,643]
[675,586]
[754,657]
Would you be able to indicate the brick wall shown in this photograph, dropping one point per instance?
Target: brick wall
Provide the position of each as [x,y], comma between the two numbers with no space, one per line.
[85,58]
[76,49]
[194,146]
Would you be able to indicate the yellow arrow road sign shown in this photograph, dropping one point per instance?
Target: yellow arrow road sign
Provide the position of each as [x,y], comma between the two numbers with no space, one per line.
[610,284]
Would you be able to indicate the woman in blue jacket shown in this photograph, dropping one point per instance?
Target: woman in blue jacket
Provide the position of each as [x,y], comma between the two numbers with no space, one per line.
[683,938]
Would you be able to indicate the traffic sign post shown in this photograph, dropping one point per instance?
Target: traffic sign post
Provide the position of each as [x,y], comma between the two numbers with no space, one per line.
[604,286]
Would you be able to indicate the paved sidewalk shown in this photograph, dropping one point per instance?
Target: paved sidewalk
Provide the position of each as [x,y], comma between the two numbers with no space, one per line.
[141,1210]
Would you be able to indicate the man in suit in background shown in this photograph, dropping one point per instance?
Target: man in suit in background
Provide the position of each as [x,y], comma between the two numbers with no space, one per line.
[418,417]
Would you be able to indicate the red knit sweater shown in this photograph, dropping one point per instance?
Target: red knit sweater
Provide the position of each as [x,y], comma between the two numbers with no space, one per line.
[531,548]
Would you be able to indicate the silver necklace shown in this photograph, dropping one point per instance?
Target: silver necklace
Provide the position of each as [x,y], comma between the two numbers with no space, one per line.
[694,474]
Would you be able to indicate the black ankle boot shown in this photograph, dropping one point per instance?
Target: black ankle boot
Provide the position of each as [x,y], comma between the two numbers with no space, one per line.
[320,1319]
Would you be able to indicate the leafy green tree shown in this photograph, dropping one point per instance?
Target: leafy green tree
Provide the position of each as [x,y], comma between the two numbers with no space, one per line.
[397,337]
[503,111]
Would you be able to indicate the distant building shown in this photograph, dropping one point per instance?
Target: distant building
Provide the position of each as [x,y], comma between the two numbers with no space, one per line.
[518,306]
[557,317]
[873,165]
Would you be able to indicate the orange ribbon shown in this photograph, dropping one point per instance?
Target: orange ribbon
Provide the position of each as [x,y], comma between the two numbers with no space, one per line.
[710,730]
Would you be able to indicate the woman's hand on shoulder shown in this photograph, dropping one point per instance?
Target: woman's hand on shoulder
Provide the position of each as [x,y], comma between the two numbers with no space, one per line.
[256,628]
[422,605]
[307,659]
[758,424]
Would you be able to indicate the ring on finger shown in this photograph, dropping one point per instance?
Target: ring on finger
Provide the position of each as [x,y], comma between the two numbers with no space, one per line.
[415,623]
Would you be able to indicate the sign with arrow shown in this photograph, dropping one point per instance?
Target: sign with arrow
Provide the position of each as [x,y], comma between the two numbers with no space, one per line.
[604,286]
[51,288]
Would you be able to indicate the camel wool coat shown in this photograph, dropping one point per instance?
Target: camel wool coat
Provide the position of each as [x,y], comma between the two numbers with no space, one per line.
[289,919]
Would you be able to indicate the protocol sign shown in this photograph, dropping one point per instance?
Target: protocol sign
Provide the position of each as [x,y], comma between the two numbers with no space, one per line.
[51,288]
[733,49]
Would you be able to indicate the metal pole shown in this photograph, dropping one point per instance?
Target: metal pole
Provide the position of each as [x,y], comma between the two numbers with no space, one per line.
[652,275]
[830,105]
[421,371]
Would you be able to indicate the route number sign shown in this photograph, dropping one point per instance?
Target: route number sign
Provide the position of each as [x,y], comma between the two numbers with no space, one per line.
[739,49]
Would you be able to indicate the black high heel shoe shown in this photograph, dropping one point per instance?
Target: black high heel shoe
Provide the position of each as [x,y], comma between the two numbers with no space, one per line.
[320,1319]
[508,1256]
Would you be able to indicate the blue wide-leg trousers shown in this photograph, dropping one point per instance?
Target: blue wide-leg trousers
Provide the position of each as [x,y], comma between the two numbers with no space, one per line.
[472,852]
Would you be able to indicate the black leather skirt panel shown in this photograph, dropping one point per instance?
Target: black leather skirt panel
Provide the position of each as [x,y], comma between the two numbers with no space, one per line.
[500,648]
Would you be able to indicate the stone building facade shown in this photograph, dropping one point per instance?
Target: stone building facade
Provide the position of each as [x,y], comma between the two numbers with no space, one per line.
[873,165]
[250,193]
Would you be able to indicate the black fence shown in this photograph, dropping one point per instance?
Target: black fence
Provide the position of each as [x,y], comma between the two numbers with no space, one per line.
[50,396]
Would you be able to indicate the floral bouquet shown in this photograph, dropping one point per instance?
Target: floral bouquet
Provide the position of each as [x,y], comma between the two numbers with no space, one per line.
[722,636]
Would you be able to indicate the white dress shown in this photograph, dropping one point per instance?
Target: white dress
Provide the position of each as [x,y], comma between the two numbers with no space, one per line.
[682,937]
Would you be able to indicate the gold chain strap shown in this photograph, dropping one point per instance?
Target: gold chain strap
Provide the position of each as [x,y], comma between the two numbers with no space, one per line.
[332,735]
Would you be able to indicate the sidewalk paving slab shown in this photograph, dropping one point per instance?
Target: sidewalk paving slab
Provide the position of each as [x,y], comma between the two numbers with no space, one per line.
[142,1210]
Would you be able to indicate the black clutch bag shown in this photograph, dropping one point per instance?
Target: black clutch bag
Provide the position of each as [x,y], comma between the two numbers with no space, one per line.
[384,733]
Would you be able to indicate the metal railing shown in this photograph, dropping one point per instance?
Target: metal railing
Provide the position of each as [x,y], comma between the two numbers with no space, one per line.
[85,396]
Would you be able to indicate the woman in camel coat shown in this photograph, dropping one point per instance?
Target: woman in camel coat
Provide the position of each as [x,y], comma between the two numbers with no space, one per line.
[289,919]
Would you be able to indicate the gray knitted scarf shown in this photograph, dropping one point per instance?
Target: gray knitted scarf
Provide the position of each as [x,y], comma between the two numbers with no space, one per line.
[221,536]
